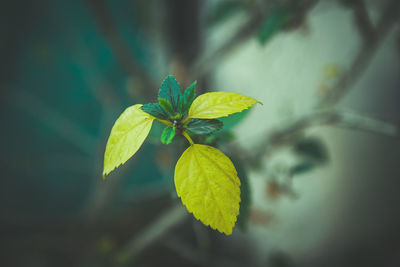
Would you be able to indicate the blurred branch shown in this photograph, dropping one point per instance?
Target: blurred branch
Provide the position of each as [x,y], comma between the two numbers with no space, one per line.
[63,126]
[340,118]
[361,18]
[197,256]
[386,23]
[206,63]
[160,226]
[121,50]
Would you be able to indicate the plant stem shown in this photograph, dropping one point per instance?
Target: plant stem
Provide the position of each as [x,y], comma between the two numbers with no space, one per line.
[188,138]
[165,122]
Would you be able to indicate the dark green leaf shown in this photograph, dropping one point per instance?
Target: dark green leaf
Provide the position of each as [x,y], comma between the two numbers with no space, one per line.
[166,106]
[302,167]
[167,135]
[312,148]
[204,126]
[234,119]
[155,110]
[171,91]
[274,22]
[245,195]
[187,99]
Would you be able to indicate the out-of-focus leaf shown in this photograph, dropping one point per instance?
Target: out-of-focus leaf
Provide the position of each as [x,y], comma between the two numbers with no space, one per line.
[171,91]
[245,195]
[274,22]
[302,167]
[167,135]
[166,106]
[204,126]
[312,148]
[187,99]
[127,135]
[224,10]
[155,110]
[234,119]
[219,104]
[206,180]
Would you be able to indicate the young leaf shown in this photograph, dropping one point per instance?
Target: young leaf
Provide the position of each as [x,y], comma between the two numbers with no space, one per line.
[171,91]
[155,110]
[127,135]
[166,106]
[187,98]
[207,183]
[205,126]
[219,104]
[167,135]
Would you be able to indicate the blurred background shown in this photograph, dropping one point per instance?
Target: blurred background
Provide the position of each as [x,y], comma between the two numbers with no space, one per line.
[319,161]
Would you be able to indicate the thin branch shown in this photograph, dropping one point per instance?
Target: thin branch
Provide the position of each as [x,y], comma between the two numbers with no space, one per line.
[197,256]
[290,132]
[63,126]
[206,63]
[386,23]
[122,52]
[160,226]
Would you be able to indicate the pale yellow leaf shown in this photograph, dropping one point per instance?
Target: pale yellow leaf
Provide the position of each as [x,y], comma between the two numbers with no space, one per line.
[127,135]
[219,104]
[207,183]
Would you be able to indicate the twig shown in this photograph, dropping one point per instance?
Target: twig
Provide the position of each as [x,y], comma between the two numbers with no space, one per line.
[197,256]
[289,133]
[63,126]
[386,23]
[206,63]
[170,218]
[120,49]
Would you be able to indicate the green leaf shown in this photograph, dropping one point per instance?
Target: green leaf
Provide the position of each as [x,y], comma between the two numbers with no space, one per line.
[273,24]
[234,119]
[207,183]
[302,167]
[187,99]
[219,104]
[171,91]
[167,135]
[312,148]
[155,110]
[245,195]
[166,106]
[204,126]
[126,137]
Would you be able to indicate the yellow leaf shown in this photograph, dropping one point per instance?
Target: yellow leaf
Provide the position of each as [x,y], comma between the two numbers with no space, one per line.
[207,183]
[127,135]
[219,104]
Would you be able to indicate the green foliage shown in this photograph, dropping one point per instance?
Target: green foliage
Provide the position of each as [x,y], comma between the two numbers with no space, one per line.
[274,22]
[313,153]
[201,166]
[155,110]
[204,126]
[245,195]
[167,135]
[166,106]
[187,99]
[231,121]
[171,91]
[302,167]
[312,148]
